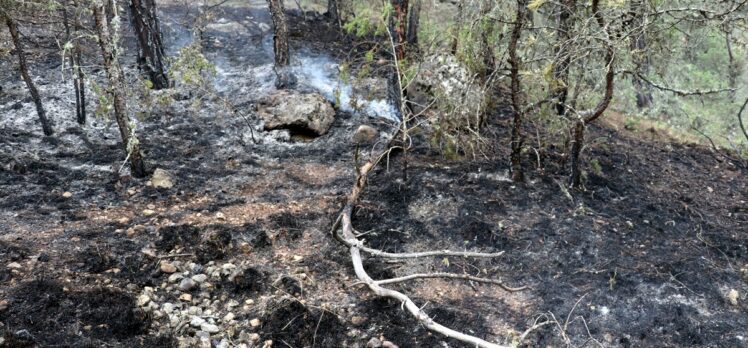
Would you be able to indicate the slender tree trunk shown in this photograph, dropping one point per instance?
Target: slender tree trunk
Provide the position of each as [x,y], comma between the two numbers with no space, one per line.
[640,54]
[117,84]
[399,26]
[23,67]
[414,23]
[590,116]
[280,44]
[151,48]
[458,26]
[332,11]
[577,143]
[75,63]
[516,90]
[560,83]
[733,72]
[489,62]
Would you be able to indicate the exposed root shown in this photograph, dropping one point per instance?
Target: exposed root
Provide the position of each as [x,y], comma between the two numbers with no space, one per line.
[450,276]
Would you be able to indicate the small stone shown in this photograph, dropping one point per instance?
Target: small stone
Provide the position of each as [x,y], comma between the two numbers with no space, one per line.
[374,343]
[356,320]
[249,301]
[185,297]
[733,297]
[14,265]
[67,194]
[148,212]
[254,322]
[220,216]
[298,258]
[167,307]
[148,252]
[253,337]
[388,344]
[143,300]
[209,328]
[187,284]
[199,278]
[364,134]
[223,344]
[168,267]
[162,179]
[197,321]
[228,317]
[175,277]
[267,344]
[3,305]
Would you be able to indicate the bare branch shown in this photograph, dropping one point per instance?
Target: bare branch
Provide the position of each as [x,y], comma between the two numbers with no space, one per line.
[679,92]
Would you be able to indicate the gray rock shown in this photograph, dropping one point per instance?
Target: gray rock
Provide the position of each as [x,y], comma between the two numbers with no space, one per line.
[209,328]
[298,111]
[197,322]
[162,179]
[199,278]
[187,284]
[374,343]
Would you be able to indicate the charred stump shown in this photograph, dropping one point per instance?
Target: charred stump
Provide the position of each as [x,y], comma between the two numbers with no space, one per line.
[280,45]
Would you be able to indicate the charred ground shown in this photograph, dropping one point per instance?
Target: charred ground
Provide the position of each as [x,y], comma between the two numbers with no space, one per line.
[647,255]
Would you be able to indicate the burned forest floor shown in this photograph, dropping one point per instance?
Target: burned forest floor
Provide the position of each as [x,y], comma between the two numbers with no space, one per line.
[237,252]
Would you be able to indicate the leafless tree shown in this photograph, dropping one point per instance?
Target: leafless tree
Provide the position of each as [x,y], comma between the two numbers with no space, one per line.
[24,69]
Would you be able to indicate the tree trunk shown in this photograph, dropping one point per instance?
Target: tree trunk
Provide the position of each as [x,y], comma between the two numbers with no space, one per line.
[23,67]
[333,12]
[458,26]
[280,44]
[399,26]
[117,85]
[640,54]
[489,63]
[75,64]
[587,117]
[560,82]
[516,90]
[414,23]
[151,48]
[577,143]
[733,71]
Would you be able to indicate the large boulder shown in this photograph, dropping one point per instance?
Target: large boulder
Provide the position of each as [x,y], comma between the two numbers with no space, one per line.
[297,112]
[444,79]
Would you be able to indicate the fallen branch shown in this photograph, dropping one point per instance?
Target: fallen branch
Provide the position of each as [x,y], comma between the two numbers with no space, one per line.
[355,246]
[678,92]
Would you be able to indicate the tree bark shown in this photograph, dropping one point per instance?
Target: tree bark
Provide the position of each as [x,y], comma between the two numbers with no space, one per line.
[590,116]
[414,24]
[399,26]
[24,69]
[516,90]
[577,143]
[151,48]
[75,63]
[117,85]
[280,44]
[640,54]
[560,82]
[458,25]
[333,12]
[489,62]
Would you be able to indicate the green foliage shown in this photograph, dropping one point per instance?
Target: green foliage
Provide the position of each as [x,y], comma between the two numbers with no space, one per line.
[191,69]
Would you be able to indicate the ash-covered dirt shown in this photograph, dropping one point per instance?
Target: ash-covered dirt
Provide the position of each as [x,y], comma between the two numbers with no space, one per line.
[238,253]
